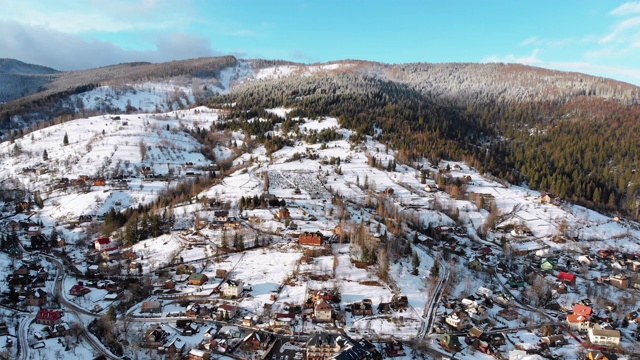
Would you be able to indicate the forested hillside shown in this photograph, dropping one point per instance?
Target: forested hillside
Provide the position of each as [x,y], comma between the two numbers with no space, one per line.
[54,91]
[19,79]
[573,135]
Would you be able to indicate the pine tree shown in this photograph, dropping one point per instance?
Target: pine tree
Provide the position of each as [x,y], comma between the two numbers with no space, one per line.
[416,263]
[45,155]
[435,270]
[65,141]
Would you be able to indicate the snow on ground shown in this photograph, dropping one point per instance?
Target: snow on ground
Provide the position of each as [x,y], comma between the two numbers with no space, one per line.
[329,186]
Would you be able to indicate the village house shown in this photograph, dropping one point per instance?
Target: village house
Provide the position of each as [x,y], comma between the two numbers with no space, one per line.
[587,260]
[324,346]
[37,297]
[154,307]
[197,279]
[363,307]
[601,355]
[450,343]
[458,320]
[547,264]
[285,319]
[248,321]
[34,230]
[154,338]
[579,309]
[48,317]
[232,288]
[109,267]
[308,238]
[175,346]
[221,273]
[255,341]
[475,265]
[567,277]
[601,337]
[394,348]
[554,340]
[78,290]
[111,254]
[226,311]
[282,214]
[322,311]
[578,322]
[104,243]
[620,281]
[220,216]
[477,314]
[196,354]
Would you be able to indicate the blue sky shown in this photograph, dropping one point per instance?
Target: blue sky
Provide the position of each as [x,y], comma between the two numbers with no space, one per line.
[589,36]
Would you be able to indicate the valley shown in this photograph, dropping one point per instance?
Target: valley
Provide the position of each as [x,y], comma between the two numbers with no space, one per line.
[241,252]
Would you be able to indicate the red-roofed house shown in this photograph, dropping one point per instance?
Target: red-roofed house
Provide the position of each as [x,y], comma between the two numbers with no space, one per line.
[48,317]
[578,322]
[78,290]
[583,310]
[567,277]
[226,311]
[104,243]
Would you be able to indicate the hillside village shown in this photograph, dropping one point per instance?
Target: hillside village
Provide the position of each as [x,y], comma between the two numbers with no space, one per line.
[327,250]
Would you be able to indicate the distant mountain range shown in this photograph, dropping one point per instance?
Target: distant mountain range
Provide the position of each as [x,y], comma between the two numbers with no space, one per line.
[457,82]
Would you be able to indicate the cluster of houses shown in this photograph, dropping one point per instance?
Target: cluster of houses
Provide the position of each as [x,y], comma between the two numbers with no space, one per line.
[599,331]
[248,343]
[84,182]
[27,283]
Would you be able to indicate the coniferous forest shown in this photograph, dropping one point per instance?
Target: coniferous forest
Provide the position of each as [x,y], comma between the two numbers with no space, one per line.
[579,145]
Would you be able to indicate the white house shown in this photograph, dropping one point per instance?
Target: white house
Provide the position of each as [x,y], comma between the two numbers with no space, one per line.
[104,243]
[477,314]
[484,292]
[578,322]
[322,311]
[458,320]
[601,337]
[468,303]
[232,288]
[587,260]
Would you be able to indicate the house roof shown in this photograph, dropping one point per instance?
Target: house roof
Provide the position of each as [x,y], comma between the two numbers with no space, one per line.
[574,318]
[599,331]
[79,288]
[322,305]
[227,307]
[580,309]
[566,276]
[197,277]
[48,315]
[151,304]
[475,332]
[103,240]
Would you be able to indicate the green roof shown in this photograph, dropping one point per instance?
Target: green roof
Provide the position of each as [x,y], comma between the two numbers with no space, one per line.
[197,276]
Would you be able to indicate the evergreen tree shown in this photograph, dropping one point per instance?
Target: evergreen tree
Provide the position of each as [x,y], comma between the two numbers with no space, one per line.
[65,140]
[415,262]
[435,270]
[45,155]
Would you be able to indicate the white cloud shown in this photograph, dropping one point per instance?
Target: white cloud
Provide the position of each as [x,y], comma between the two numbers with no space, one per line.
[631,7]
[530,40]
[622,73]
[531,59]
[63,51]
[99,15]
[621,30]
